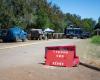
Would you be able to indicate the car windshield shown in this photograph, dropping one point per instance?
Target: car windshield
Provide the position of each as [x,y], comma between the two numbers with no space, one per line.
[77,31]
[70,31]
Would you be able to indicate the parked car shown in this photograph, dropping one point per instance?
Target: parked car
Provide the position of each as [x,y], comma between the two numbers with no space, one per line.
[35,34]
[0,34]
[76,32]
[73,32]
[85,35]
[14,34]
[3,32]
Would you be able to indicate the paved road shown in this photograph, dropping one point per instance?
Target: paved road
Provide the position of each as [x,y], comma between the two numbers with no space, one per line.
[23,61]
[13,54]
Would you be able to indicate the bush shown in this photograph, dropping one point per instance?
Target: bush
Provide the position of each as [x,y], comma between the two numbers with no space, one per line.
[96,39]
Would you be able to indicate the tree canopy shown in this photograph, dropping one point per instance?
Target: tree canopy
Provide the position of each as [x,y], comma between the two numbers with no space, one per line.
[39,14]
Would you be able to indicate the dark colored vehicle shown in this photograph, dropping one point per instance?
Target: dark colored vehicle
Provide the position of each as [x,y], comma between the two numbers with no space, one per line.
[3,32]
[35,34]
[75,32]
[86,35]
[14,34]
[0,34]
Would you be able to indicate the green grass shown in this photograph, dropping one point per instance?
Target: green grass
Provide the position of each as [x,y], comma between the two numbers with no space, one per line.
[95,40]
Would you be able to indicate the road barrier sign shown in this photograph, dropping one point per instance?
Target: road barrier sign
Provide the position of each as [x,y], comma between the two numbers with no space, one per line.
[61,56]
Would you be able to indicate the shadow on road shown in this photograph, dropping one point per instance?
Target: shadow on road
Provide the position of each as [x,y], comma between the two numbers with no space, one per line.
[42,63]
[90,66]
[83,64]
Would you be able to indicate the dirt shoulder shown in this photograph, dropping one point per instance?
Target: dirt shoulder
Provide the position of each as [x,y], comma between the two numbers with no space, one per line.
[89,53]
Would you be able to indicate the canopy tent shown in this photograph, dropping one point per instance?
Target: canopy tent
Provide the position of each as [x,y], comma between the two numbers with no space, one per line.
[48,30]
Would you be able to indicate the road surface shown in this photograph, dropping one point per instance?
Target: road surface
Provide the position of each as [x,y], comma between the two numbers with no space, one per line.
[24,61]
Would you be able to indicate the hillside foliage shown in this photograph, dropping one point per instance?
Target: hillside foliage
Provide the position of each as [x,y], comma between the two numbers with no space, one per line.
[39,14]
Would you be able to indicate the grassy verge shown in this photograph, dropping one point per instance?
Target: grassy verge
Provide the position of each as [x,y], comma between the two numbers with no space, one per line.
[88,52]
[95,40]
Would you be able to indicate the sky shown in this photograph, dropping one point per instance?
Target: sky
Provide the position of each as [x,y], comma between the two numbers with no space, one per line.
[84,8]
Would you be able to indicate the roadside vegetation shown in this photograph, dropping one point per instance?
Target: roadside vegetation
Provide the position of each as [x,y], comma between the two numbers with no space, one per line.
[95,40]
[39,14]
[88,52]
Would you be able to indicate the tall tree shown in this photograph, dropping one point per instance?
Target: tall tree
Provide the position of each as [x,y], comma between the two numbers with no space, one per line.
[88,24]
[38,14]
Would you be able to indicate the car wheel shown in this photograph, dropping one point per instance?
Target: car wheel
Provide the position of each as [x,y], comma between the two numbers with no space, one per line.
[40,37]
[16,39]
